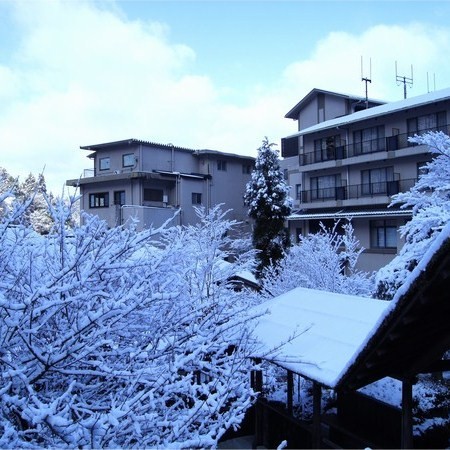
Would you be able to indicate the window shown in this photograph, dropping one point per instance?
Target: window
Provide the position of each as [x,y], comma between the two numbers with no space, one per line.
[119,198]
[246,169]
[427,122]
[196,198]
[383,234]
[99,200]
[153,195]
[128,160]
[325,149]
[105,163]
[324,187]
[369,140]
[298,191]
[377,181]
[221,165]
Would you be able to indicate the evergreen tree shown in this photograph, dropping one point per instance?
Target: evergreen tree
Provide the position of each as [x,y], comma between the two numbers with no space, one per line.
[33,193]
[269,205]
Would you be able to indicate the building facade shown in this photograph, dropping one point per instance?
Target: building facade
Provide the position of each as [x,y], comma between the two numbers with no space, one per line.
[345,162]
[159,182]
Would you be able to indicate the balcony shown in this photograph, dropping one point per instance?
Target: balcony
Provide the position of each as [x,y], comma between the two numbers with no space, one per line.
[357,191]
[342,151]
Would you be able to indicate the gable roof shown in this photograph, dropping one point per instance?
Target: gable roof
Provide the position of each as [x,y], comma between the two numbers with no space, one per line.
[376,111]
[315,333]
[414,332]
[348,342]
[293,113]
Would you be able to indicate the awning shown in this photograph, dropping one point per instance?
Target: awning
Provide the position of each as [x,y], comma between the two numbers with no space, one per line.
[351,214]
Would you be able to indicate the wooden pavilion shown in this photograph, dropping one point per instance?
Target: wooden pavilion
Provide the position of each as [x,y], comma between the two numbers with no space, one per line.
[346,342]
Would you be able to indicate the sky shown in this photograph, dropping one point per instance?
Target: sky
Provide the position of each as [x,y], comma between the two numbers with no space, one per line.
[208,74]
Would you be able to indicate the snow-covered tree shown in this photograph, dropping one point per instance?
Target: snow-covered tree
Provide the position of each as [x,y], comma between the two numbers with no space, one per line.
[267,196]
[32,192]
[326,261]
[110,339]
[429,200]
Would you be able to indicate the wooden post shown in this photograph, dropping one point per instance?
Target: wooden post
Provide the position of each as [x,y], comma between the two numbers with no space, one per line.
[290,391]
[317,400]
[407,419]
[257,384]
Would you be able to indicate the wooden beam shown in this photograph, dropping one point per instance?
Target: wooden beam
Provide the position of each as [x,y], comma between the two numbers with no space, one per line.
[290,391]
[407,419]
[317,401]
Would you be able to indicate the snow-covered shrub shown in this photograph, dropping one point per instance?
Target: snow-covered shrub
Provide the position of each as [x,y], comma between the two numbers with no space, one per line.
[326,261]
[429,200]
[109,339]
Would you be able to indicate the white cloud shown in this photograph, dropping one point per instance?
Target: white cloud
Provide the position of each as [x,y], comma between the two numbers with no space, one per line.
[83,75]
[335,63]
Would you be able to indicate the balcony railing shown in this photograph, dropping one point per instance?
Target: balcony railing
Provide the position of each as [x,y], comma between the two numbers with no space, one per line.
[357,191]
[341,151]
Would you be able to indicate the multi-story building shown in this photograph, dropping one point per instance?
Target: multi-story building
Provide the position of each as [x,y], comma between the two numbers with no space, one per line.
[156,182]
[346,162]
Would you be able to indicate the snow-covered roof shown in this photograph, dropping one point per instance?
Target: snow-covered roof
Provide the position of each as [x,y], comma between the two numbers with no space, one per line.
[329,329]
[338,339]
[441,95]
[293,112]
[351,214]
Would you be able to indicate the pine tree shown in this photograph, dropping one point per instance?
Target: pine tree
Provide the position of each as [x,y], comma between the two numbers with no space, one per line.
[269,205]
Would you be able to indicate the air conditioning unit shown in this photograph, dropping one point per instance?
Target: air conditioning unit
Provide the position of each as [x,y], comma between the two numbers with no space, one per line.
[117,172]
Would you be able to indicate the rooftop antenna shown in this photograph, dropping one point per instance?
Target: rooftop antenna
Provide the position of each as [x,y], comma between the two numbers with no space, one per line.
[366,79]
[434,83]
[403,79]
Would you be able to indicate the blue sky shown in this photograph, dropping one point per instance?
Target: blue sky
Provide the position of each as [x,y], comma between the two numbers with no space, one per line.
[199,74]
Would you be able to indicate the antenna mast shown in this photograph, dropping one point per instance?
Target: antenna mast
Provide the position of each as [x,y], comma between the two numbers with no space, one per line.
[428,83]
[366,79]
[403,79]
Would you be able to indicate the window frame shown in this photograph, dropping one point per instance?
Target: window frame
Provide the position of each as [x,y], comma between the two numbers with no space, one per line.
[119,197]
[151,195]
[246,169]
[128,156]
[414,125]
[376,142]
[222,165]
[368,189]
[386,227]
[104,163]
[325,193]
[99,200]
[196,198]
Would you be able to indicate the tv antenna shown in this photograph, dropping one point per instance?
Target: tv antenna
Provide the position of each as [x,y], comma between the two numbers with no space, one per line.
[403,79]
[366,79]
[434,83]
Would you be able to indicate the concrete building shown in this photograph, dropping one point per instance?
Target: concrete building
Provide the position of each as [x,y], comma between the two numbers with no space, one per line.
[155,182]
[349,156]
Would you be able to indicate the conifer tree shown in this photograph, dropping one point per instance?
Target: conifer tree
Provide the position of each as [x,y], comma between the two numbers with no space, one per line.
[269,205]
